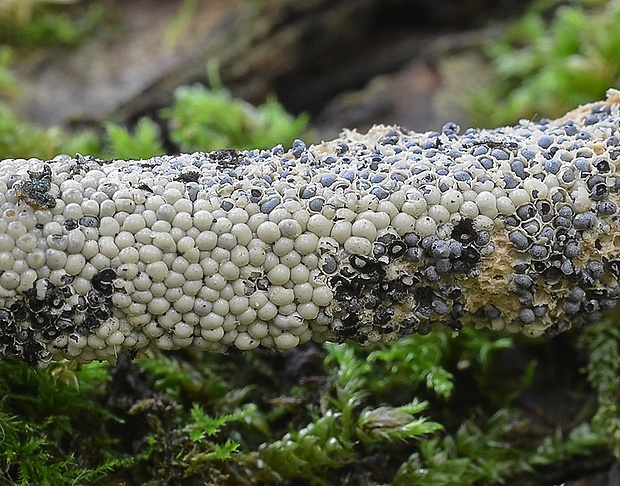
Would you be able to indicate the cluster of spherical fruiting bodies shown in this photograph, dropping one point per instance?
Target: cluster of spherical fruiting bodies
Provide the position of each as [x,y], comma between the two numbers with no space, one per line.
[365,238]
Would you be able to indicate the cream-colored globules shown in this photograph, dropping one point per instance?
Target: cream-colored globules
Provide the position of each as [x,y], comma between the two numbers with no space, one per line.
[366,237]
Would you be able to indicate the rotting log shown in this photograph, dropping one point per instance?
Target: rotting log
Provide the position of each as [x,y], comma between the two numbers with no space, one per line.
[363,238]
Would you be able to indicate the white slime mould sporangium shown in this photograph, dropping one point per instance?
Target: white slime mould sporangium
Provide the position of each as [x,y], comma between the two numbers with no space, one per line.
[363,238]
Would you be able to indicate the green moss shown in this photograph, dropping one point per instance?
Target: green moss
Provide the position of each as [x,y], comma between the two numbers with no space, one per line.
[186,446]
[204,417]
[603,345]
[349,428]
[484,453]
[144,143]
[21,139]
[36,23]
[203,119]
[51,431]
[200,120]
[546,67]
[414,361]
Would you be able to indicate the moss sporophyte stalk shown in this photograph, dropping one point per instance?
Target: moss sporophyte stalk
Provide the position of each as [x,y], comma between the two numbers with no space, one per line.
[364,238]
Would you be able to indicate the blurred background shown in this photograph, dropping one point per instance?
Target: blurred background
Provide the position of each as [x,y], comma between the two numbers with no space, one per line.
[69,69]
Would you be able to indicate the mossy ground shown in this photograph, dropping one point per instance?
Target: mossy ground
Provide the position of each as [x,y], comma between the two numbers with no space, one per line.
[473,409]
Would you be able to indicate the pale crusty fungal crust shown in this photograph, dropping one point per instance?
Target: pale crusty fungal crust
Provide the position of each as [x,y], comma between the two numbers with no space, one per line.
[365,238]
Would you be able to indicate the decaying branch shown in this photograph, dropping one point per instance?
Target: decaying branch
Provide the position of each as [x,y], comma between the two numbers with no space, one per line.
[364,238]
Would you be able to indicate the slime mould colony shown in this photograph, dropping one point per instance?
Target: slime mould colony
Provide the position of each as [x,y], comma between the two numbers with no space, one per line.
[365,238]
